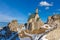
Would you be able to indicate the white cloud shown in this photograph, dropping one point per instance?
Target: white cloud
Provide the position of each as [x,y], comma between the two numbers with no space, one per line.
[46,8]
[44,3]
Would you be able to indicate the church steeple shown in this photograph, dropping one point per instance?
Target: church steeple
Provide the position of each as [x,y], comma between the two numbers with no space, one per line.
[36,10]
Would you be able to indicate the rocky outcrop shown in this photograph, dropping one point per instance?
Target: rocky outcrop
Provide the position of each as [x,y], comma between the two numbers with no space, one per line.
[53,35]
[21,26]
[35,26]
[34,22]
[54,20]
[13,25]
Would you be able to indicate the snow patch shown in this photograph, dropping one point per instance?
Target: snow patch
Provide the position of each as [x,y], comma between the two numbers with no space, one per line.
[44,37]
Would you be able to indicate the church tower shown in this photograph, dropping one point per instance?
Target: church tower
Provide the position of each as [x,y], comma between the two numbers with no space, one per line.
[36,15]
[36,10]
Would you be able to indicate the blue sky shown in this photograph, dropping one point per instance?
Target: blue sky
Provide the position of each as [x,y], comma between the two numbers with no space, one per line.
[21,9]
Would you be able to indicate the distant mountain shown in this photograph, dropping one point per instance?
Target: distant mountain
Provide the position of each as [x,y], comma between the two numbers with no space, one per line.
[2,24]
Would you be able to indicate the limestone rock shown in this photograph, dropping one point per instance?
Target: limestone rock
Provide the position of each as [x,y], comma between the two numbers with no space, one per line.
[34,22]
[53,35]
[13,25]
[22,27]
[54,20]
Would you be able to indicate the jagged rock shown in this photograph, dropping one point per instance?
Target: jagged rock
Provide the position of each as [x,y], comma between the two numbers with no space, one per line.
[53,35]
[34,22]
[21,26]
[13,25]
[54,20]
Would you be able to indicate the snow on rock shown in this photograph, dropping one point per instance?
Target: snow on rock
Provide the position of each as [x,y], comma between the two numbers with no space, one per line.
[44,38]
[46,26]
[25,38]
